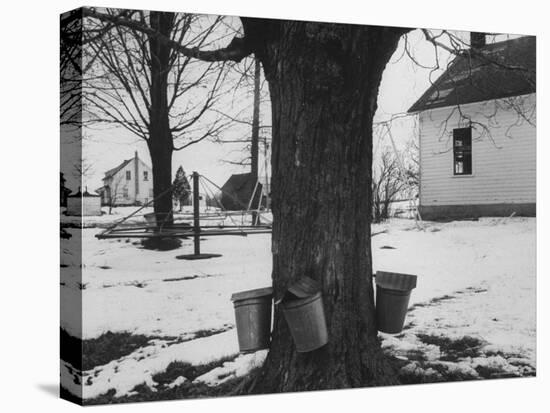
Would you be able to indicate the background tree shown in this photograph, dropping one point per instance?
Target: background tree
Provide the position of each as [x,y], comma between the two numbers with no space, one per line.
[181,189]
[82,170]
[254,131]
[411,157]
[114,191]
[388,183]
[70,68]
[396,173]
[256,134]
[145,86]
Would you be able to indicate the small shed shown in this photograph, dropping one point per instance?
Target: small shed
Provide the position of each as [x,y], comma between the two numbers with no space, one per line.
[237,191]
[83,204]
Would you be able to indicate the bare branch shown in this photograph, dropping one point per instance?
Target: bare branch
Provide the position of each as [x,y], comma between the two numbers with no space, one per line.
[235,51]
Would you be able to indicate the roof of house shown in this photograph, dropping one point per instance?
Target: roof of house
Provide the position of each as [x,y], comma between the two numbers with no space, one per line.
[237,191]
[238,181]
[498,70]
[112,172]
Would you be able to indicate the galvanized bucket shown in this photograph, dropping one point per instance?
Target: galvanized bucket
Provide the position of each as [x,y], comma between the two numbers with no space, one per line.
[253,318]
[393,292]
[306,320]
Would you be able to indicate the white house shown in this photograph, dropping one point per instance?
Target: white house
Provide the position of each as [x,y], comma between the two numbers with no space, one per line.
[130,183]
[477,134]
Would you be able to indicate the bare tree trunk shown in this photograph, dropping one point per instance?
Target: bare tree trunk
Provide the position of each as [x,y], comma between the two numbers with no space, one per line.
[376,213]
[161,159]
[324,81]
[160,141]
[254,147]
[386,209]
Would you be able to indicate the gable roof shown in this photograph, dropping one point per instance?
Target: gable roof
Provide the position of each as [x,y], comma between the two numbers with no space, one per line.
[112,172]
[238,181]
[498,70]
[237,191]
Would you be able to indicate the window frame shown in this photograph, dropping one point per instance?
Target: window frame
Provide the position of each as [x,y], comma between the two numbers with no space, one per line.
[145,175]
[462,153]
[128,175]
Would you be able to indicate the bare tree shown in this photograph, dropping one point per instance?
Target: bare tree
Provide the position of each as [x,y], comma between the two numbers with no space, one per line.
[75,62]
[387,184]
[70,65]
[148,88]
[82,170]
[251,131]
[113,190]
[411,158]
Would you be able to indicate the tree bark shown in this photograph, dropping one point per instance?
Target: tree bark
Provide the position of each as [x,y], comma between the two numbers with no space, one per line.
[160,141]
[324,81]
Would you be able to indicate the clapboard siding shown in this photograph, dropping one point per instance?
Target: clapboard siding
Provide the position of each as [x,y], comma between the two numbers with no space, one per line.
[503,165]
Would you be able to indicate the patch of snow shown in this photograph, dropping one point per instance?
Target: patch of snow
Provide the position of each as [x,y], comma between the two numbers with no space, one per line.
[463,368]
[408,344]
[496,363]
[487,270]
[177,382]
[128,288]
[124,374]
[487,267]
[239,367]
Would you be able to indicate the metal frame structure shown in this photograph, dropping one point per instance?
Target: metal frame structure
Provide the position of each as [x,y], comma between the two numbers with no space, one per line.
[185,230]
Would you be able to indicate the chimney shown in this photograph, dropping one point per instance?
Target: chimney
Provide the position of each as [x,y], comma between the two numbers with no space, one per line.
[477,40]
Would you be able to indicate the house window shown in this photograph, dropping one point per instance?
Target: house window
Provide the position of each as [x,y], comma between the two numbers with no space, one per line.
[128,175]
[125,192]
[145,175]
[462,151]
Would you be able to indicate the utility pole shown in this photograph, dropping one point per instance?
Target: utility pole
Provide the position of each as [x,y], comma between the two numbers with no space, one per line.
[254,147]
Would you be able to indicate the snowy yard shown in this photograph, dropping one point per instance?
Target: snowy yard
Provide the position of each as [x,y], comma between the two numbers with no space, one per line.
[476,287]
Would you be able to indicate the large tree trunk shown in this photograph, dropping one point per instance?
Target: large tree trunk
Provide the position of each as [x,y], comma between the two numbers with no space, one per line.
[161,159]
[324,81]
[160,141]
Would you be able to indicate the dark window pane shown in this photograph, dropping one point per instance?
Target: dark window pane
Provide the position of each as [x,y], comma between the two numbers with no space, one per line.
[467,163]
[462,151]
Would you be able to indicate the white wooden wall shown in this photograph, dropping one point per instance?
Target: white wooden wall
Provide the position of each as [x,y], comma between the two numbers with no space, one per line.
[503,164]
[145,187]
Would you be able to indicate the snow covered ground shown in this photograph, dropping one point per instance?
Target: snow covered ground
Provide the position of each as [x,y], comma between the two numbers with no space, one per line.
[476,278]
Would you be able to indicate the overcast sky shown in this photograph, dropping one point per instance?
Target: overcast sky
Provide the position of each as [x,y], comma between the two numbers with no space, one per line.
[403,82]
